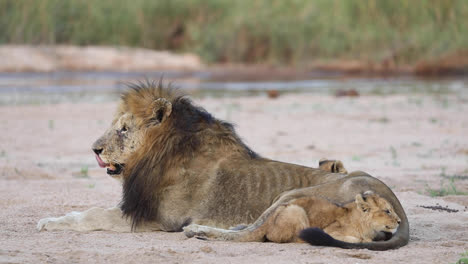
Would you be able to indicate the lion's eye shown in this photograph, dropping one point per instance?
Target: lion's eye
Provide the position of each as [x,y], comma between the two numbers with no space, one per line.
[123,129]
[387,211]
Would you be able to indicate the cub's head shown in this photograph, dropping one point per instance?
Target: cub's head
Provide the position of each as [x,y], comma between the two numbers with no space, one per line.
[377,212]
[141,111]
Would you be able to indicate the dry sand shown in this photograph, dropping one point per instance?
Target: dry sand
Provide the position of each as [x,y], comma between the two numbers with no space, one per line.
[410,142]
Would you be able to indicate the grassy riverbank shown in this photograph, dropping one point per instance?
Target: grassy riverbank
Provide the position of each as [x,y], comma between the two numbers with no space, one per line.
[263,31]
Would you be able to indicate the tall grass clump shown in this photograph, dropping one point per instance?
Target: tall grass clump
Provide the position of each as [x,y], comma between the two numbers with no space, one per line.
[261,31]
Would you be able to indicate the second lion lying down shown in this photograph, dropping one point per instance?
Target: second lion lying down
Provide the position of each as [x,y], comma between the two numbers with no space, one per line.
[357,221]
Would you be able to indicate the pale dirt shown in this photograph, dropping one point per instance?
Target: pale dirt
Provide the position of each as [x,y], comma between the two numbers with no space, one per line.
[405,140]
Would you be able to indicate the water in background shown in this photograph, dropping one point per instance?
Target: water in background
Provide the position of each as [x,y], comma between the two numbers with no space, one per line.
[56,87]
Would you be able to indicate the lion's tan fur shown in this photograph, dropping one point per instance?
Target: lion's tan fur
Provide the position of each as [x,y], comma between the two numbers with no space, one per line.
[184,166]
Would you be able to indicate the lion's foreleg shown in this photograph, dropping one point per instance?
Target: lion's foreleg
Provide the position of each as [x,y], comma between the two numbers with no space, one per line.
[244,235]
[210,232]
[91,220]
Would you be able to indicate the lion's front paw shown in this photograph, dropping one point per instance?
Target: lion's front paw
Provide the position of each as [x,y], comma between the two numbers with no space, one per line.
[193,230]
[41,224]
[46,224]
[67,222]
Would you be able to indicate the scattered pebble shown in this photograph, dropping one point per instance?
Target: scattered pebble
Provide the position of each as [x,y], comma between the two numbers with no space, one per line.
[350,93]
[273,94]
[206,249]
[439,208]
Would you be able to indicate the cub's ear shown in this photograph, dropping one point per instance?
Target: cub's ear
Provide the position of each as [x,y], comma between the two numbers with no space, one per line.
[362,204]
[162,109]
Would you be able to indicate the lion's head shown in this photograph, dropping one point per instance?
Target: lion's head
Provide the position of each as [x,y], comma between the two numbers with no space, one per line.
[117,144]
[139,111]
[377,212]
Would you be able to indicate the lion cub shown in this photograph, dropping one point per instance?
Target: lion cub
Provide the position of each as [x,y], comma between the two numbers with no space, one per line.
[307,218]
[357,221]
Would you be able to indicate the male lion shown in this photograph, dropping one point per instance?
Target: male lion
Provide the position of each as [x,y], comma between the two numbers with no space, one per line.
[360,220]
[179,165]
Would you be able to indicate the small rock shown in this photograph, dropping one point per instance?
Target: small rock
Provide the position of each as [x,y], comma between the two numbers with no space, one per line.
[350,93]
[273,94]
[206,249]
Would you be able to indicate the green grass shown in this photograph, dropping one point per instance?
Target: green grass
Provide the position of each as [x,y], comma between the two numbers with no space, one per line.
[394,156]
[445,189]
[463,259]
[264,31]
[51,124]
[84,171]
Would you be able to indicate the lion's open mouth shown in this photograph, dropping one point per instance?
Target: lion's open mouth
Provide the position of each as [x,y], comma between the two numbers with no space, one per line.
[101,163]
[114,169]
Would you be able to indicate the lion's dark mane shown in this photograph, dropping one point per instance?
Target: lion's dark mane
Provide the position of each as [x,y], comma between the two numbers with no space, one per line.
[171,143]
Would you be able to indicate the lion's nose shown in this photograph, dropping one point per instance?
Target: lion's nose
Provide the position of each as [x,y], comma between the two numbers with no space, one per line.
[97,151]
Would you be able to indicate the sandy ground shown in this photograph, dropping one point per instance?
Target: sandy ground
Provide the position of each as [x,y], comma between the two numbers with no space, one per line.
[413,143]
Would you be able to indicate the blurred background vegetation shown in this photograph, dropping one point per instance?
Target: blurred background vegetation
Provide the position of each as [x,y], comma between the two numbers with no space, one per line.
[262,31]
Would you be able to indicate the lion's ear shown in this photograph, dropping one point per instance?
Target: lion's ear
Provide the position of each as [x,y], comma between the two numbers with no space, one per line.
[362,204]
[162,109]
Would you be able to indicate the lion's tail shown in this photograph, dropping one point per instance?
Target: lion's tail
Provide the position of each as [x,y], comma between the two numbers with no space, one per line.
[317,237]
